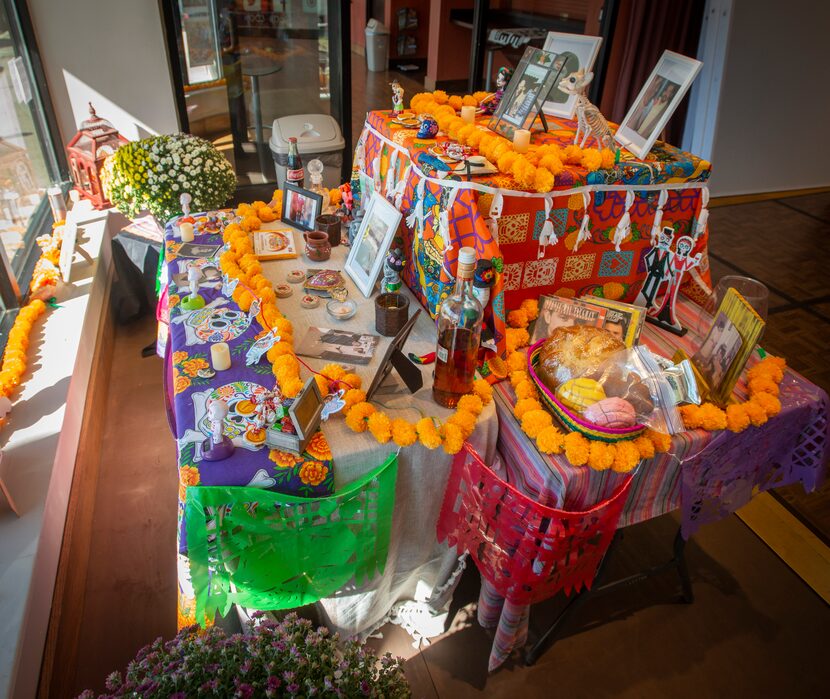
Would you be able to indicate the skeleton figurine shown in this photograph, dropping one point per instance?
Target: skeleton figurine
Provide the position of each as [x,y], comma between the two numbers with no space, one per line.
[193,302]
[483,280]
[589,120]
[491,103]
[265,409]
[397,98]
[217,446]
[392,267]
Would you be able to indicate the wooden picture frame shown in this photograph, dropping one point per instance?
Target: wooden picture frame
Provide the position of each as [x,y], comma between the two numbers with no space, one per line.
[378,228]
[659,97]
[573,52]
[300,207]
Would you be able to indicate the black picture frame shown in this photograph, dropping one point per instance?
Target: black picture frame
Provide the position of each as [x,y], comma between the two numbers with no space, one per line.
[395,358]
[521,104]
[308,221]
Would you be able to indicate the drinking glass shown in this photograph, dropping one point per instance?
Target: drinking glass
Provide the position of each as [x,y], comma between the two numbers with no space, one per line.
[754,292]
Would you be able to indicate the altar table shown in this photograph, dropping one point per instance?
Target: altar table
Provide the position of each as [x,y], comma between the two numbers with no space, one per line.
[418,570]
[707,475]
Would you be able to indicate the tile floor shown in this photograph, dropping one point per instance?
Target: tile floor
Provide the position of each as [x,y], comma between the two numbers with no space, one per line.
[754,628]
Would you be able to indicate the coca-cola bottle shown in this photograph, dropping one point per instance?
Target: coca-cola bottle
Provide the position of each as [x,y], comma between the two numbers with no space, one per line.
[459,330]
[294,173]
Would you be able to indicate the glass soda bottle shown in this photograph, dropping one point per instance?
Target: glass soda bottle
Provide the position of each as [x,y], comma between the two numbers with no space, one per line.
[294,173]
[459,330]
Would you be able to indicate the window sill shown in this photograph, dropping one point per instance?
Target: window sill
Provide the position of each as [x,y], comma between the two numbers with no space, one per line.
[39,454]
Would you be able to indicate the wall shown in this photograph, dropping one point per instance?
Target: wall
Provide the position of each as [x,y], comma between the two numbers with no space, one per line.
[774,103]
[358,26]
[112,54]
[449,45]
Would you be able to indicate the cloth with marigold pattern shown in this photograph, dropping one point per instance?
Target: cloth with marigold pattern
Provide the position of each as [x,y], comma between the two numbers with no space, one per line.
[188,393]
[265,550]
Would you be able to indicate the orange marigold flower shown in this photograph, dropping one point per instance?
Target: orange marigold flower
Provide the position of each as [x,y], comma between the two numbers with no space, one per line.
[534,421]
[516,361]
[403,433]
[763,384]
[613,290]
[550,440]
[427,433]
[626,458]
[179,357]
[353,397]
[576,448]
[471,403]
[660,440]
[465,421]
[769,403]
[180,384]
[526,389]
[380,426]
[525,405]
[483,390]
[518,319]
[192,366]
[357,416]
[531,308]
[645,447]
[737,419]
[757,415]
[600,457]
[313,472]
[451,438]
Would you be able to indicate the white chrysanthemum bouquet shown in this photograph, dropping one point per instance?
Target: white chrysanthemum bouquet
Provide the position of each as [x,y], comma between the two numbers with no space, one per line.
[153,173]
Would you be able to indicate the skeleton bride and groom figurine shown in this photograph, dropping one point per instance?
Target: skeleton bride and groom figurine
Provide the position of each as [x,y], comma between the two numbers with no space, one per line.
[664,266]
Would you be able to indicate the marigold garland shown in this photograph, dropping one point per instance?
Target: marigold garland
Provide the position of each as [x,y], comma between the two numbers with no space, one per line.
[534,171]
[240,263]
[45,278]
[763,381]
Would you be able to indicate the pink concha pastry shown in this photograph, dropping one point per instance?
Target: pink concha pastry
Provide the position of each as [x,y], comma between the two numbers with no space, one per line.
[611,412]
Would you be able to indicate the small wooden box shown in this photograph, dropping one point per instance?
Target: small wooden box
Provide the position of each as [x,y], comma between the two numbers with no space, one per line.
[305,414]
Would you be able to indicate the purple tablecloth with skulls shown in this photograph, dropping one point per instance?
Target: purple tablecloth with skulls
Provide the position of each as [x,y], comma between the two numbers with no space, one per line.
[191,334]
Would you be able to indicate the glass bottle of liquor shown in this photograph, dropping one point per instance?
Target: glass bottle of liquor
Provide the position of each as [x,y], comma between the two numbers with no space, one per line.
[294,173]
[459,330]
[315,172]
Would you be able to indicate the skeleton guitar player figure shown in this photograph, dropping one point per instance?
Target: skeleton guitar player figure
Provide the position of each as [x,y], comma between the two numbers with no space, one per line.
[664,266]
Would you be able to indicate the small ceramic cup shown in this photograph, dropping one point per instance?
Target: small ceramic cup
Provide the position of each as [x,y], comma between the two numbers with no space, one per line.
[317,246]
[391,313]
[330,225]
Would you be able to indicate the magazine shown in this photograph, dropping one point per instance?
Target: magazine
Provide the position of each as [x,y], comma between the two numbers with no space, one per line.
[558,312]
[275,245]
[625,320]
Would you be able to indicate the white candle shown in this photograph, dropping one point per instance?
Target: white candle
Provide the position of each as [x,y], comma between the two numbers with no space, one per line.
[521,140]
[468,113]
[220,356]
[186,232]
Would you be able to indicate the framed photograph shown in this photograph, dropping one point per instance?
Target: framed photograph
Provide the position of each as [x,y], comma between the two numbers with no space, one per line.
[572,51]
[662,92]
[526,92]
[371,243]
[195,251]
[394,358]
[727,346]
[300,207]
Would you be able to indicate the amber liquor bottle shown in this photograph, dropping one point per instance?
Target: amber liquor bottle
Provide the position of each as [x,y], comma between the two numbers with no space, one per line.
[294,168]
[459,330]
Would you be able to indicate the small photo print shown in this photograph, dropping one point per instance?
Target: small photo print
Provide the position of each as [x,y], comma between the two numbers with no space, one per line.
[370,245]
[335,345]
[718,350]
[526,94]
[197,251]
[210,275]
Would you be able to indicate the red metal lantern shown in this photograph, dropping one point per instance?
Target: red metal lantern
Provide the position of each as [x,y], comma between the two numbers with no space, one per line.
[87,151]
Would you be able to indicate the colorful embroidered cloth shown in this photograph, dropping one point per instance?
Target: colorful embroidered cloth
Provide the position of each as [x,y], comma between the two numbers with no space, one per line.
[504,224]
[707,475]
[264,550]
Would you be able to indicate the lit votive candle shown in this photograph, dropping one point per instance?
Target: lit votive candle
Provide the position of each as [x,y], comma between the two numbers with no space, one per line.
[468,113]
[521,140]
[186,232]
[220,356]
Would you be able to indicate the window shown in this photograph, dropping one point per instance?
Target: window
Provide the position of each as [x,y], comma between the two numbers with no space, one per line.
[29,162]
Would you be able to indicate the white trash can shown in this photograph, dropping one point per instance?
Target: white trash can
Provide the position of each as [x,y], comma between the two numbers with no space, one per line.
[318,136]
[377,46]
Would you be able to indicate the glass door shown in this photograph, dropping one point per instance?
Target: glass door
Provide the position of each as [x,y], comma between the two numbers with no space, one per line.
[245,63]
